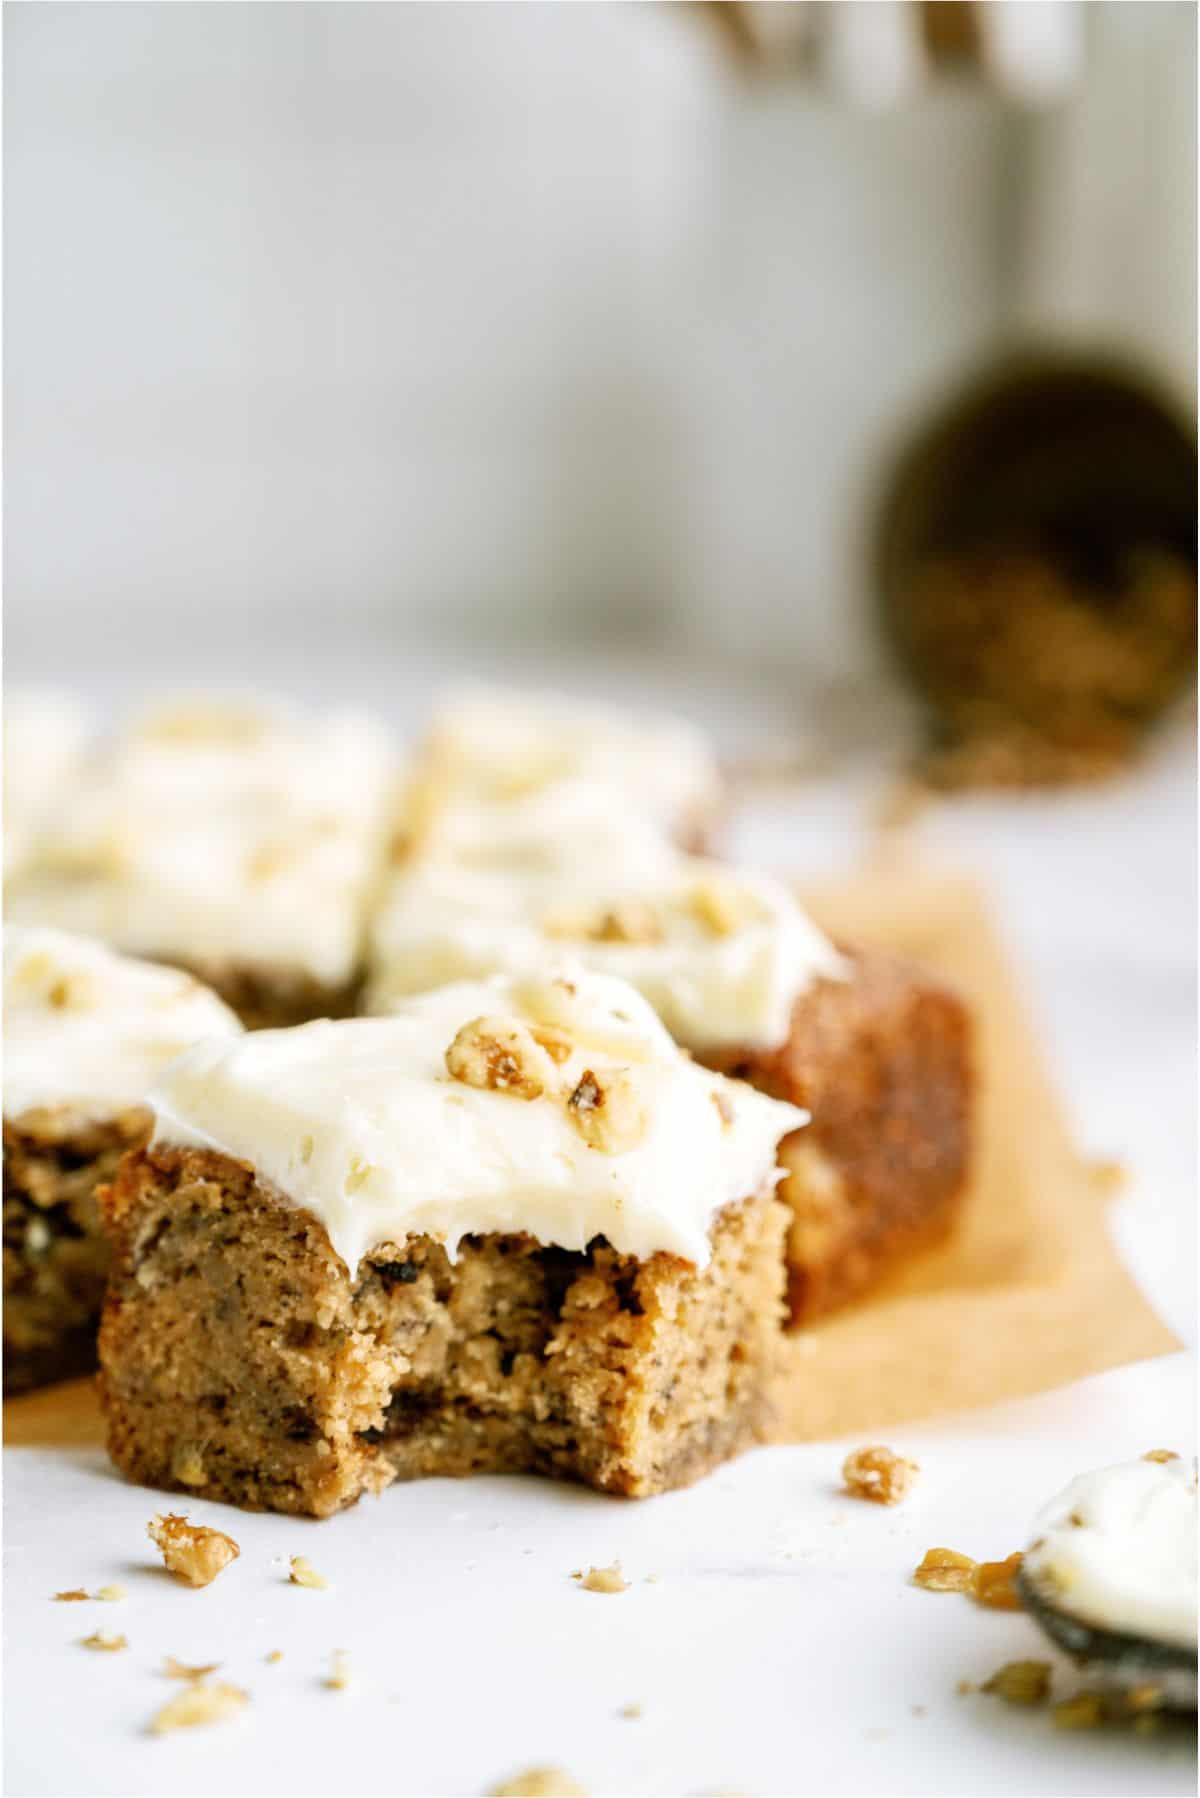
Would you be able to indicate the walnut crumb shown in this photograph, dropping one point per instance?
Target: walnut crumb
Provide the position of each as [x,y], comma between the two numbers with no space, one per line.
[606,1111]
[105,1639]
[275,1656]
[111,1594]
[75,1596]
[338,1677]
[995,1584]
[198,1703]
[963,1687]
[173,1669]
[303,1573]
[603,1579]
[878,1474]
[499,1055]
[1160,1454]
[191,1551]
[1084,1711]
[631,1711]
[540,1782]
[945,1570]
[1020,1682]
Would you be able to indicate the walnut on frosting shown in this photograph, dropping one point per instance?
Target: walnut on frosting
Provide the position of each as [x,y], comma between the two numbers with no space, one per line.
[606,1110]
[500,1055]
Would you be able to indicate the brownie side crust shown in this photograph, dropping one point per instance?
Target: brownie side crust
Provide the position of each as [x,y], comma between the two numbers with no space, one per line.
[882,1060]
[239,1360]
[55,1250]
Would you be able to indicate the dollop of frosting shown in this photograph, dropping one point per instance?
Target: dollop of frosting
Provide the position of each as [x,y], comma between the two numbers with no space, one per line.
[721,955]
[1117,1550]
[222,831]
[89,1028]
[554,1105]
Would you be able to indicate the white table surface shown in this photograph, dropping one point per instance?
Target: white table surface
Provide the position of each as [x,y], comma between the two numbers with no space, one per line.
[780,1649]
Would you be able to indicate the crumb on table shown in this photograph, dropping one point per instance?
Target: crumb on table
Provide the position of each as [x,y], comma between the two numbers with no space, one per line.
[111,1594]
[173,1669]
[275,1656]
[995,1584]
[1160,1454]
[630,1710]
[945,1570]
[74,1596]
[105,1639]
[603,1579]
[1020,1682]
[192,1552]
[540,1782]
[303,1573]
[1084,1711]
[198,1703]
[878,1474]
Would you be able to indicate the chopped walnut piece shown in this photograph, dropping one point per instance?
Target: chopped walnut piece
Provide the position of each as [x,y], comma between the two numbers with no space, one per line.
[1084,1711]
[944,1570]
[878,1474]
[197,1703]
[606,1111]
[1160,1454]
[500,1055]
[74,1596]
[995,1584]
[1020,1682]
[103,1638]
[303,1573]
[603,1579]
[173,1669]
[191,1551]
[540,1782]
[111,1594]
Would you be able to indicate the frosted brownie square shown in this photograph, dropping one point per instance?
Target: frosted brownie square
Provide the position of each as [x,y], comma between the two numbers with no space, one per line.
[876,1050]
[236,839]
[85,1033]
[510,1228]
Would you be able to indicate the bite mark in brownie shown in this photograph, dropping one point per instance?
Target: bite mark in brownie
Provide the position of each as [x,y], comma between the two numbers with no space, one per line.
[233,1334]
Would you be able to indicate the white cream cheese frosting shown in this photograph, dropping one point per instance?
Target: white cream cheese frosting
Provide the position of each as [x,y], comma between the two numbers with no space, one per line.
[44,740]
[389,1127]
[721,955]
[490,745]
[89,1028]
[1117,1550]
[219,832]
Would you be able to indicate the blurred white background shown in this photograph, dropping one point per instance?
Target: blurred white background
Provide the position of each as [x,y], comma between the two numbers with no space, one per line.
[410,329]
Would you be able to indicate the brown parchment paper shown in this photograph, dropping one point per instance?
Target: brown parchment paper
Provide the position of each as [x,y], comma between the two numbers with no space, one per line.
[1029,1292]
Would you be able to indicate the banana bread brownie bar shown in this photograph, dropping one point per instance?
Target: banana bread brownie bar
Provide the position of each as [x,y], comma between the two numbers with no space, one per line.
[85,1033]
[875,1049]
[511,1227]
[882,1061]
[232,838]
